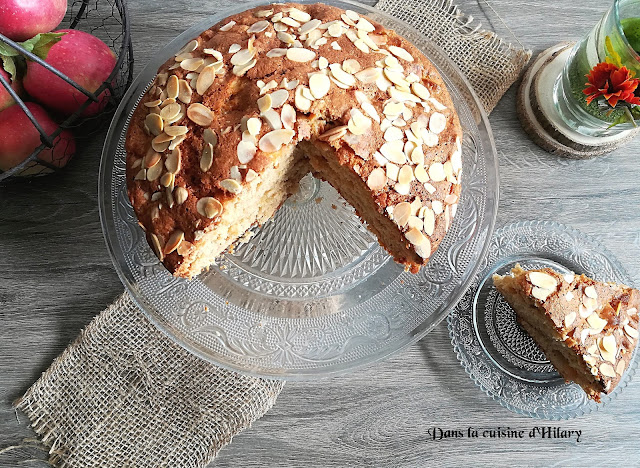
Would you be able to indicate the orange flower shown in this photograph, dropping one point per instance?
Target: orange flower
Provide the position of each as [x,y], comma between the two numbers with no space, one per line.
[614,83]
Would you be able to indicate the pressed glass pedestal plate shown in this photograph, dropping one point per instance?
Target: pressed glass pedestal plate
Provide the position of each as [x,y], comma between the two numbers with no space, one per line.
[500,357]
[311,293]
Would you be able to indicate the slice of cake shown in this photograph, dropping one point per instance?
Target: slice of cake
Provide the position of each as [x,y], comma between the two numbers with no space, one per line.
[587,329]
[242,112]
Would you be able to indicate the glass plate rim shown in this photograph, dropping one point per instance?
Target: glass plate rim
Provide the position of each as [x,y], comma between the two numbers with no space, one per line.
[420,330]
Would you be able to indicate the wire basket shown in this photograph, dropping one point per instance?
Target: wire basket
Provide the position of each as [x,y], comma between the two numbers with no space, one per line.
[107,20]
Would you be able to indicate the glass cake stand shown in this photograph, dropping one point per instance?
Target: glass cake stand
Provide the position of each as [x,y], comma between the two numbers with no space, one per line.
[311,293]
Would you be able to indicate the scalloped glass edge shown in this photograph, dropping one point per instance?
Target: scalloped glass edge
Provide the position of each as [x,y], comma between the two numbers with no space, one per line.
[139,85]
[585,409]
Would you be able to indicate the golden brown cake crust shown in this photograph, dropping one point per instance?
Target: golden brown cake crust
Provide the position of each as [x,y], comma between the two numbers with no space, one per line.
[597,320]
[407,90]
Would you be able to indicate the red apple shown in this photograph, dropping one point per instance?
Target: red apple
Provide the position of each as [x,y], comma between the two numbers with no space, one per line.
[19,137]
[22,19]
[5,98]
[82,57]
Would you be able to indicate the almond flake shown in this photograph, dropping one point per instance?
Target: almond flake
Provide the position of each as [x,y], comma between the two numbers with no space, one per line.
[205,80]
[319,84]
[253,125]
[437,122]
[240,70]
[569,296]
[540,294]
[170,111]
[279,97]
[421,173]
[590,291]
[405,177]
[309,26]
[272,118]
[174,241]
[200,115]
[429,221]
[358,123]
[392,171]
[258,26]
[420,90]
[606,369]
[629,330]
[335,46]
[264,103]
[377,179]
[231,185]
[333,134]
[436,172]
[300,55]
[176,130]
[209,207]
[393,133]
[394,152]
[569,319]
[206,160]
[274,140]
[339,74]
[417,157]
[180,195]
[227,26]
[191,64]
[251,174]
[543,280]
[184,91]
[246,151]
[401,213]
[620,367]
[400,53]
[154,123]
[276,53]
[416,237]
[609,344]
[172,87]
[263,13]
[209,136]
[233,48]
[302,103]
[288,116]
[596,322]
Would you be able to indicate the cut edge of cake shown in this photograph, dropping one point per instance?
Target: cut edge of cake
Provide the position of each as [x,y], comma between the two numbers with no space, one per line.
[587,329]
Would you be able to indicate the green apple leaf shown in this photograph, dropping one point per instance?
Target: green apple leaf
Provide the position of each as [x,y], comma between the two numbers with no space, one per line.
[40,44]
[9,65]
[7,51]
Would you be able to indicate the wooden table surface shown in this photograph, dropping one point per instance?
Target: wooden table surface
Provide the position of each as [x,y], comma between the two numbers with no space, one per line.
[55,275]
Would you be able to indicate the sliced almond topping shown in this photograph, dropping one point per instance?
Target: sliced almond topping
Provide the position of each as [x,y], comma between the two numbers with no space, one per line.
[606,369]
[309,26]
[206,160]
[569,296]
[200,115]
[301,55]
[620,367]
[274,140]
[141,175]
[290,22]
[392,171]
[590,291]
[335,30]
[416,237]
[233,48]
[263,13]
[429,220]
[342,76]
[420,90]
[180,195]
[377,179]
[400,53]
[569,278]
[437,122]
[393,133]
[154,123]
[540,294]
[242,57]
[288,116]
[358,123]
[176,130]
[406,175]
[429,139]
[302,103]
[365,25]
[299,15]
[590,303]
[161,143]
[174,241]
[205,80]
[210,136]
[609,344]
[184,248]
[319,84]
[167,179]
[276,53]
[231,185]
[264,103]
[155,245]
[596,322]
[246,151]
[589,359]
[191,64]
[369,75]
[351,66]
[188,47]
[279,97]
[227,26]
[401,213]
[272,118]
[333,134]
[394,152]
[543,280]
[174,161]
[417,157]
[436,172]
[258,26]
[209,207]
[185,92]
[170,111]
[569,319]
[629,330]
[172,87]
[240,70]
[253,125]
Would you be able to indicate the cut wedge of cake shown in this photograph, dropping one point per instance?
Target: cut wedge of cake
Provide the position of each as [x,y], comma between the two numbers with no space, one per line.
[588,329]
[235,119]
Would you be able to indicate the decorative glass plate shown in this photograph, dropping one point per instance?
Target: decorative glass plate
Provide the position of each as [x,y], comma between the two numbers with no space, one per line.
[497,354]
[311,293]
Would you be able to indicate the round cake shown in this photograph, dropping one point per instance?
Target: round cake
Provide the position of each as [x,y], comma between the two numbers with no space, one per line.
[240,114]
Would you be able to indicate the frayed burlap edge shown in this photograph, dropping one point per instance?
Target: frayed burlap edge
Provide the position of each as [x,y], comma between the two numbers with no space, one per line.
[490,64]
[123,394]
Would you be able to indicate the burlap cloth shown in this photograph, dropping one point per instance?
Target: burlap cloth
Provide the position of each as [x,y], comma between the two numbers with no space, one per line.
[124,395]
